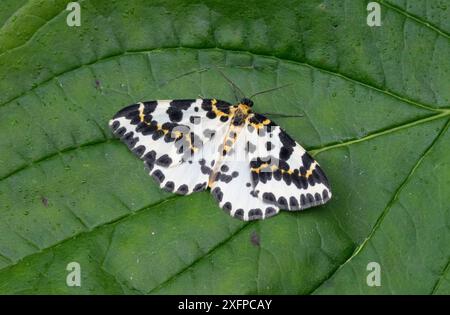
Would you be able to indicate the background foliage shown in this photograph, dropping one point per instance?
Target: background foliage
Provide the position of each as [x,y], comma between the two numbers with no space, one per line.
[376,115]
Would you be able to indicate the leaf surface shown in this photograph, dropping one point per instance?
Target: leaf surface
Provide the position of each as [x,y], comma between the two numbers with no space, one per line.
[375,104]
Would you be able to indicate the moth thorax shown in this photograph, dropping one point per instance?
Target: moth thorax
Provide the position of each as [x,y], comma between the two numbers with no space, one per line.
[239,117]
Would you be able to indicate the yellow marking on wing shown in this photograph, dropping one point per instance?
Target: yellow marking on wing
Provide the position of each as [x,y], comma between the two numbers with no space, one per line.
[159,127]
[141,112]
[220,113]
[191,145]
[273,167]
[311,169]
[258,125]
[231,129]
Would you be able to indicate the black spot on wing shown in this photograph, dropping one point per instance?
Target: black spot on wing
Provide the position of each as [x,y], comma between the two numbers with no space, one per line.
[270,212]
[169,186]
[318,197]
[239,214]
[302,200]
[149,107]
[307,200]
[264,176]
[325,195]
[285,152]
[205,170]
[149,157]
[286,140]
[132,111]
[223,177]
[126,111]
[282,203]
[164,160]
[217,194]
[120,131]
[269,197]
[139,150]
[206,104]
[115,125]
[227,207]
[255,214]
[199,187]
[149,160]
[175,114]
[320,177]
[307,160]
[175,110]
[147,129]
[277,175]
[293,203]
[158,176]
[182,190]
[220,105]
[157,134]
[129,139]
[182,104]
[287,178]
[211,115]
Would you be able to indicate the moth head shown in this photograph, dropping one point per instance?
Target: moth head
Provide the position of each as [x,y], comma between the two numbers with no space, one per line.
[247,101]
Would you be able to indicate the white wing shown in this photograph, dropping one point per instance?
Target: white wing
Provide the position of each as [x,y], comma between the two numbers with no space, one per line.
[232,187]
[175,139]
[283,173]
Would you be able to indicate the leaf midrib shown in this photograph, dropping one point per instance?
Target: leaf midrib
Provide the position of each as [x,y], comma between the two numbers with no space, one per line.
[278,59]
[313,150]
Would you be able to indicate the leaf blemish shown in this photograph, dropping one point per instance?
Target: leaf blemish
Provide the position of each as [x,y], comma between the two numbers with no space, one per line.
[44,201]
[254,239]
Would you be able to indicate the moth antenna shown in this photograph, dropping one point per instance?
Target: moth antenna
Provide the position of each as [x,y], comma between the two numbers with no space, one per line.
[235,87]
[270,90]
[283,115]
[184,74]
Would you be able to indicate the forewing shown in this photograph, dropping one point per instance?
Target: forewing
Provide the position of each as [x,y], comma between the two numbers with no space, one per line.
[176,139]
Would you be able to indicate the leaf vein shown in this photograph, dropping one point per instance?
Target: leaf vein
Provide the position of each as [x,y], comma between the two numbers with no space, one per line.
[415,18]
[305,64]
[201,257]
[386,209]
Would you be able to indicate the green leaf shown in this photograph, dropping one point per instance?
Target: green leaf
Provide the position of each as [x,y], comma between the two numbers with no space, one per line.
[376,106]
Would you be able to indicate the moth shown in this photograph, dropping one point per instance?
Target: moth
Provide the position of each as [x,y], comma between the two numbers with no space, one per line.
[253,168]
